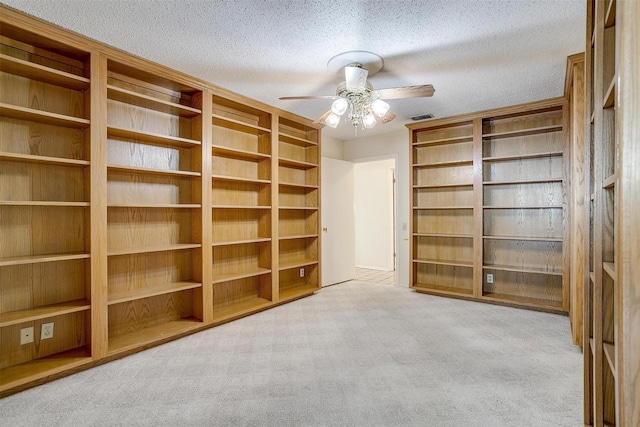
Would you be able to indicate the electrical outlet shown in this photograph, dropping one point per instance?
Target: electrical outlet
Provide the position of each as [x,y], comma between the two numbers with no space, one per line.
[302,272]
[47,331]
[26,335]
[489,278]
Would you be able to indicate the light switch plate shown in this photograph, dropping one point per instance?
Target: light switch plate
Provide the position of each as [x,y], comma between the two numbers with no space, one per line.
[26,335]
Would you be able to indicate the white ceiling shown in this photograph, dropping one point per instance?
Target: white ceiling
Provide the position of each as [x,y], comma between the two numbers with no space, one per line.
[478,54]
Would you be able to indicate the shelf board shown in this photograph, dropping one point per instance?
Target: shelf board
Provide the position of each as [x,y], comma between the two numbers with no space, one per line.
[34,259]
[238,125]
[299,208]
[240,179]
[444,262]
[297,292]
[145,101]
[297,164]
[522,269]
[443,164]
[240,207]
[150,171]
[454,140]
[249,272]
[609,97]
[610,17]
[298,236]
[24,113]
[523,156]
[242,242]
[44,203]
[441,290]
[523,132]
[523,207]
[144,337]
[462,236]
[592,197]
[240,308]
[592,277]
[292,184]
[610,181]
[234,152]
[300,142]
[150,249]
[153,138]
[155,205]
[43,312]
[37,369]
[610,269]
[528,238]
[463,184]
[152,291]
[610,354]
[552,306]
[439,208]
[30,158]
[297,263]
[41,73]
[593,346]
[522,181]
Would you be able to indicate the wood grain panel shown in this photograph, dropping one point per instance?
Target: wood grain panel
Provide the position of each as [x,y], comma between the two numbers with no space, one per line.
[443,249]
[242,168]
[120,114]
[241,292]
[291,282]
[69,333]
[524,222]
[41,182]
[551,141]
[443,175]
[525,286]
[523,254]
[518,122]
[232,259]
[297,222]
[297,250]
[524,169]
[445,132]
[240,194]
[302,197]
[446,276]
[514,195]
[442,153]
[136,153]
[445,221]
[442,197]
[139,188]
[298,176]
[608,225]
[136,315]
[241,140]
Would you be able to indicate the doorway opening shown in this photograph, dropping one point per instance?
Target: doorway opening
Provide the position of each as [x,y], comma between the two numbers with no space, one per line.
[375,213]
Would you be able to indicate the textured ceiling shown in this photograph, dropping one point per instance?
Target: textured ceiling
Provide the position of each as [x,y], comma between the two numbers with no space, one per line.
[479,54]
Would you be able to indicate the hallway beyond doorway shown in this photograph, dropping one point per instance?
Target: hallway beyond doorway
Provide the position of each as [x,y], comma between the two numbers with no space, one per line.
[375,276]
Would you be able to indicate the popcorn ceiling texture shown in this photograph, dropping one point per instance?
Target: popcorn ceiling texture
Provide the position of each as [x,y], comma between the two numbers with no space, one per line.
[479,54]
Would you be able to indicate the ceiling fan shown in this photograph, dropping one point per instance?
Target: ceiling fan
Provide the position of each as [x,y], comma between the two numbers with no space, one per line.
[356,97]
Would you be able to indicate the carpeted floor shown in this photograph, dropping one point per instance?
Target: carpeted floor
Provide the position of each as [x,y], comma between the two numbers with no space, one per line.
[355,354]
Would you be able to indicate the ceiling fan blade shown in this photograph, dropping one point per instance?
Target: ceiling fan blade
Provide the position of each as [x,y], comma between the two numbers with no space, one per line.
[406,92]
[322,117]
[386,118]
[355,78]
[287,98]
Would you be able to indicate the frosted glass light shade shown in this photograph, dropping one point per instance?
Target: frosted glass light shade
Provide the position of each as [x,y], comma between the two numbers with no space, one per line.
[379,107]
[332,120]
[339,106]
[369,121]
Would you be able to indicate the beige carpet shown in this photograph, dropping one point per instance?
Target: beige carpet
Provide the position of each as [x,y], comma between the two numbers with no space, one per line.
[354,354]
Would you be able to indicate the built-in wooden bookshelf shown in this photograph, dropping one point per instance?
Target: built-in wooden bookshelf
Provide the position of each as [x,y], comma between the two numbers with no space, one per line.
[488,205]
[158,204]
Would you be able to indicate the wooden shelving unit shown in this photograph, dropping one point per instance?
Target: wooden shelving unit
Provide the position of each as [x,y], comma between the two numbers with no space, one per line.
[156,203]
[45,205]
[298,202]
[488,198]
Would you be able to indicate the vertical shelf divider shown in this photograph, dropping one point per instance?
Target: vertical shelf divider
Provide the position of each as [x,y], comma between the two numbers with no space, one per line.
[478,212]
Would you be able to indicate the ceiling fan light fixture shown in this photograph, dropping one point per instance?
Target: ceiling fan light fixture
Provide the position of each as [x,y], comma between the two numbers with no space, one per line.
[379,107]
[332,120]
[369,121]
[339,106]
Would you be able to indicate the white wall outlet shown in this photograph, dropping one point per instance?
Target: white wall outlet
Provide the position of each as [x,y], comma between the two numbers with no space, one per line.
[489,278]
[26,335]
[302,272]
[47,331]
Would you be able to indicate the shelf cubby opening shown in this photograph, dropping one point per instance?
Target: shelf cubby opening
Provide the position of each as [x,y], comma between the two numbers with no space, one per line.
[531,169]
[453,279]
[443,176]
[523,256]
[242,168]
[298,176]
[229,193]
[608,201]
[542,223]
[292,286]
[297,253]
[126,187]
[514,124]
[608,59]
[296,156]
[297,223]
[530,289]
[42,182]
[543,194]
[445,221]
[231,225]
[443,250]
[442,155]
[295,133]
[444,135]
[443,197]
[236,298]
[608,394]
[608,309]
[234,262]
[298,197]
[241,118]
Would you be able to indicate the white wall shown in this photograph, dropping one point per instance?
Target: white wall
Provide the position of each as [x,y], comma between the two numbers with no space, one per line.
[332,148]
[373,208]
[391,145]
